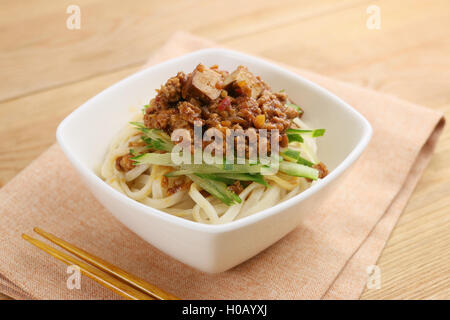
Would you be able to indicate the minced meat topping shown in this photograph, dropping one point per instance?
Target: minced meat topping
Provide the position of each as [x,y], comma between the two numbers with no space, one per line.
[218,99]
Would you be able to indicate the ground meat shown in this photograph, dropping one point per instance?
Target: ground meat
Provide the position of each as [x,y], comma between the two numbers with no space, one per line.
[219,100]
[204,193]
[323,171]
[170,92]
[281,96]
[274,107]
[124,163]
[189,112]
[236,187]
[164,182]
[183,185]
[160,119]
[284,141]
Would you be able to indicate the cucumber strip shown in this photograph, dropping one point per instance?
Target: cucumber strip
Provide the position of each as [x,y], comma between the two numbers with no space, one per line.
[314,133]
[154,138]
[299,170]
[228,166]
[139,125]
[157,144]
[158,135]
[230,178]
[258,178]
[235,197]
[309,153]
[294,156]
[224,168]
[215,177]
[295,137]
[164,159]
[177,173]
[290,155]
[216,189]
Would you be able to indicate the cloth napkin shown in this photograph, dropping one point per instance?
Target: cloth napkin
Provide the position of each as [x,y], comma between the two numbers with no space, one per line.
[326,257]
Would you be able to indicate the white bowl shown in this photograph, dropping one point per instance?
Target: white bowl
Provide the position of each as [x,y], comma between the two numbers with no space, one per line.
[86,133]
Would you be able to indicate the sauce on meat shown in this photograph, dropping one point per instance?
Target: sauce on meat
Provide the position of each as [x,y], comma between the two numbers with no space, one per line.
[217,99]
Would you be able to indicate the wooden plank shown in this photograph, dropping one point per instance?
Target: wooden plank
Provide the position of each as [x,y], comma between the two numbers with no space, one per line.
[30,122]
[37,51]
[415,263]
[340,45]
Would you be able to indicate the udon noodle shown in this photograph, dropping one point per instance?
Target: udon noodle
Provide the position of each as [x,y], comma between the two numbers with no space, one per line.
[153,185]
[146,183]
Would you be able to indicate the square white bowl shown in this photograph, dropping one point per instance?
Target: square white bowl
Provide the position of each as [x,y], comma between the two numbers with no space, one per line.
[86,133]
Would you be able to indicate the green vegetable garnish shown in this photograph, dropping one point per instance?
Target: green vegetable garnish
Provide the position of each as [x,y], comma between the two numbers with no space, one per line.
[217,189]
[294,156]
[295,137]
[144,108]
[299,170]
[215,169]
[163,159]
[256,177]
[314,133]
[215,177]
[296,107]
[154,139]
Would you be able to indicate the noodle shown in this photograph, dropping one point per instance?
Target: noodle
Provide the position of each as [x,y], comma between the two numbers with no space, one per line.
[140,164]
[144,183]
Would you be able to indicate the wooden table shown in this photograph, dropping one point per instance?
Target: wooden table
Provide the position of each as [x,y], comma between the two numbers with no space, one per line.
[48,70]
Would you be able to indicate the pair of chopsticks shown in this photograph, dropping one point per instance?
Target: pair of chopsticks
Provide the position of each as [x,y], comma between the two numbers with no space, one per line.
[108,275]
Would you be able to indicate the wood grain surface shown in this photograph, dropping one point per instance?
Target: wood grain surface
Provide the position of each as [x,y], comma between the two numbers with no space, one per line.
[48,70]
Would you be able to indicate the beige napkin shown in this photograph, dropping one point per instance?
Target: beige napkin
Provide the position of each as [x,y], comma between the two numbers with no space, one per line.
[325,257]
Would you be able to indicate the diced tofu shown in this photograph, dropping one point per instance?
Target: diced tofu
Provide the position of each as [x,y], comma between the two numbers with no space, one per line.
[244,78]
[202,83]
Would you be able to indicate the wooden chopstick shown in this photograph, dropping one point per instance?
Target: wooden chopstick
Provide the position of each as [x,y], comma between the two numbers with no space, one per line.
[107,267]
[101,277]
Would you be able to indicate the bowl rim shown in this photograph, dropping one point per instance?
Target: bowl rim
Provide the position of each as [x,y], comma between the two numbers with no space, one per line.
[236,224]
